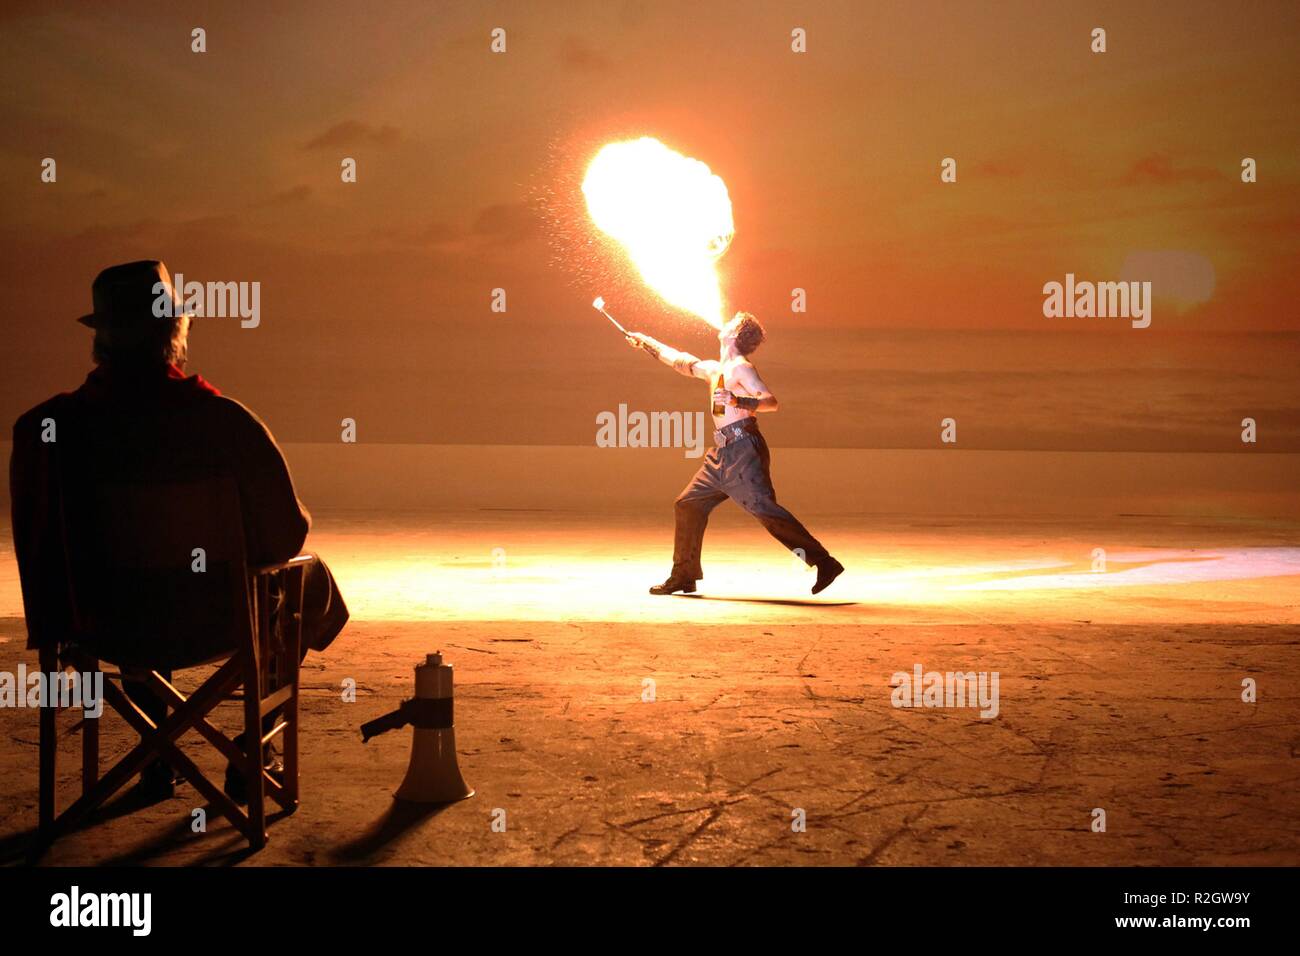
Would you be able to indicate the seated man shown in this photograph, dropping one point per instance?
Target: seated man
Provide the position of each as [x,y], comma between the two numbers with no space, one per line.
[138,419]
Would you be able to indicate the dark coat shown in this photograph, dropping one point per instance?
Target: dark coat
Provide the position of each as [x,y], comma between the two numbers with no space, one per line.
[154,426]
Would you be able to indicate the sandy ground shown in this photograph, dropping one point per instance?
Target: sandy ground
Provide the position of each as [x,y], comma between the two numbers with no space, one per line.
[1119,689]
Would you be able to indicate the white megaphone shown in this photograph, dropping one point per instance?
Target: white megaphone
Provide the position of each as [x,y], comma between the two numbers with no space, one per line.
[433,775]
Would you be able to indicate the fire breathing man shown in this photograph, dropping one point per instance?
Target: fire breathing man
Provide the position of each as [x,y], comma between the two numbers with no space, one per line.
[738,466]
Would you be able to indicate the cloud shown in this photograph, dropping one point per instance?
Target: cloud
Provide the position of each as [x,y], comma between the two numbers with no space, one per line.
[494,227]
[354,133]
[22,9]
[575,54]
[506,222]
[435,233]
[997,169]
[286,197]
[1159,169]
[1286,226]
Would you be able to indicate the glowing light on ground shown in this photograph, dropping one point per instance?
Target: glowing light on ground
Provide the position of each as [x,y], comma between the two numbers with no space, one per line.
[672,216]
[1153,568]
[566,568]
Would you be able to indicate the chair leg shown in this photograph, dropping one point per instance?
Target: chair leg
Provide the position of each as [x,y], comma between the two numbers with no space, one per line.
[89,746]
[49,752]
[289,669]
[256,789]
[156,741]
[291,748]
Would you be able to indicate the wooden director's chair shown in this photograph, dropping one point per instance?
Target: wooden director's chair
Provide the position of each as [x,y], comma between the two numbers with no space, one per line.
[155,529]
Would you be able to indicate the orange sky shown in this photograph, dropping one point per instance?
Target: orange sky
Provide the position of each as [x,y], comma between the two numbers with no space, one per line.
[226,164]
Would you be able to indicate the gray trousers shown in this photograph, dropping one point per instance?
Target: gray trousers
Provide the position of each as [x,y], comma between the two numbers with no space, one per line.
[741,471]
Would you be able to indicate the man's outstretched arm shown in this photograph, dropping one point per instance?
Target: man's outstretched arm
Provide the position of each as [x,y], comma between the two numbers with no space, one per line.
[683,363]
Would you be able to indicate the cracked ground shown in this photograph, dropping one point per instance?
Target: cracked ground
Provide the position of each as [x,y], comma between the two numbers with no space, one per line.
[1120,689]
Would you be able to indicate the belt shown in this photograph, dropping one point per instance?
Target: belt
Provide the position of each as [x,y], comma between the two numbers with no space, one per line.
[727,434]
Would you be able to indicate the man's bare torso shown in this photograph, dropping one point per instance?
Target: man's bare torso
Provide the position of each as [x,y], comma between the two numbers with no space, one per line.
[735,390]
[723,374]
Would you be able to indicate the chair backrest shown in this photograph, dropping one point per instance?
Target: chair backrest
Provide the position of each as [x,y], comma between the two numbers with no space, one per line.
[158,570]
[157,526]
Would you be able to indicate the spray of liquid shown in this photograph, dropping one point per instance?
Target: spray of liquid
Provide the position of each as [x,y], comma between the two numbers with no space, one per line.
[670,214]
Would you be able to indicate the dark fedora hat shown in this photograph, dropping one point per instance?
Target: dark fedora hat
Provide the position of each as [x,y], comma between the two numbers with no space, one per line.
[132,294]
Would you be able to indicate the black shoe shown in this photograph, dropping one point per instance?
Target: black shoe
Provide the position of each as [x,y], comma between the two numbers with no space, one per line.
[236,786]
[827,571]
[157,783]
[674,584]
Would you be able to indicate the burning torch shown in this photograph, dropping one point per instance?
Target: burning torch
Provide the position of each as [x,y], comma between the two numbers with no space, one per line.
[599,305]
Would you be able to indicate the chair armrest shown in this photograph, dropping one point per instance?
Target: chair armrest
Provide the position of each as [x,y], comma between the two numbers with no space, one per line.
[261,569]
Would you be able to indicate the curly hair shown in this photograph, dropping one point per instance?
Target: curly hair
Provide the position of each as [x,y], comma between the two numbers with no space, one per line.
[751,333]
[147,344]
